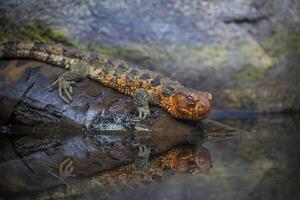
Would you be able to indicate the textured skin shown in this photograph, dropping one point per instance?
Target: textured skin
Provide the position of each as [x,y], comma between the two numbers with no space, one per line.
[179,101]
[177,160]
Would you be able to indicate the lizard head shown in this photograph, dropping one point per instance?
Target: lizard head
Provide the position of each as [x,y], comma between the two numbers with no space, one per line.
[194,161]
[190,104]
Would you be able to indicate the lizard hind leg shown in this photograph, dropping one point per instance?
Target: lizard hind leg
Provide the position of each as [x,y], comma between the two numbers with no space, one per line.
[65,81]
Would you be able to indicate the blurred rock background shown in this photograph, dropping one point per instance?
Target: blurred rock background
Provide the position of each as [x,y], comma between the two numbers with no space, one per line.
[247,52]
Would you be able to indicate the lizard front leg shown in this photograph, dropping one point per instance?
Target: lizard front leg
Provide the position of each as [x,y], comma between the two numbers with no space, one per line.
[142,98]
[66,80]
[142,163]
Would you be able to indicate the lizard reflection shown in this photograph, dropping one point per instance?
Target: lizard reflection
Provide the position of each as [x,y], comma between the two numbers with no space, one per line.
[190,160]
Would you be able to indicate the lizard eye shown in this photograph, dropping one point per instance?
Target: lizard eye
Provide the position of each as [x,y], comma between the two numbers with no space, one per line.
[190,100]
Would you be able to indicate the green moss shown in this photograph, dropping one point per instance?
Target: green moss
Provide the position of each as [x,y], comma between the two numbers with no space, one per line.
[107,50]
[136,53]
[292,42]
[238,98]
[35,32]
[283,43]
[213,51]
[251,74]
[122,53]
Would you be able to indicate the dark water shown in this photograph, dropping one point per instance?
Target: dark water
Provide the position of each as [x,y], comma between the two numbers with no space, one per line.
[261,163]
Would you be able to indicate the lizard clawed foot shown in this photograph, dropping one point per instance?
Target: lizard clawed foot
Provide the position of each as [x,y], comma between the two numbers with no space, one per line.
[144,112]
[64,86]
[141,100]
[144,152]
[66,168]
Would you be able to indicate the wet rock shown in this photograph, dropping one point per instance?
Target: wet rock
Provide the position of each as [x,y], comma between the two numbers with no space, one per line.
[245,51]
[45,139]
[96,130]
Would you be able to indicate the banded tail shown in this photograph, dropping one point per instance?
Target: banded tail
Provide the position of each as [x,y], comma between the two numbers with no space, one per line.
[54,54]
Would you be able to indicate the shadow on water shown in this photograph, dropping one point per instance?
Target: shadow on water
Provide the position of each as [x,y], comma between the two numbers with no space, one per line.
[40,159]
[51,162]
[260,164]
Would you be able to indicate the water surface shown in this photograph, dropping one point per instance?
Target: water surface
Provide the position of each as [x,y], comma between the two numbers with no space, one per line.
[262,162]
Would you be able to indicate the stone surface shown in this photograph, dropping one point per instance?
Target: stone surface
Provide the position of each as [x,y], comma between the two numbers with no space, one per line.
[245,51]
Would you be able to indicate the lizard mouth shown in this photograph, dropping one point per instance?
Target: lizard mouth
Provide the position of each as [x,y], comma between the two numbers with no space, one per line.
[199,111]
[185,112]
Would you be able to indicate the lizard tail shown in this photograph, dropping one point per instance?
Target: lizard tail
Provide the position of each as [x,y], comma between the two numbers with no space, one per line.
[51,54]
